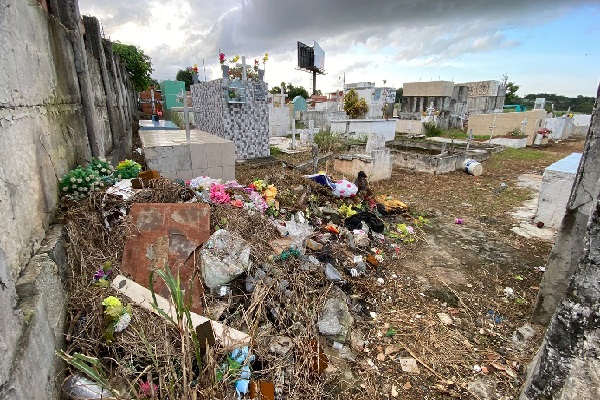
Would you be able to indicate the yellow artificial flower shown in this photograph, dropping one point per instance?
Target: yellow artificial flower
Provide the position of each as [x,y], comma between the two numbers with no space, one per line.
[270,193]
[111,301]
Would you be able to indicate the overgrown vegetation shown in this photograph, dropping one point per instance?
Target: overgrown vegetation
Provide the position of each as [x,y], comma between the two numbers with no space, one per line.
[328,141]
[274,151]
[431,129]
[138,64]
[175,117]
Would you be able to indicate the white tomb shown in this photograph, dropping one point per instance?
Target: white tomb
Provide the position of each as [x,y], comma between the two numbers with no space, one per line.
[557,183]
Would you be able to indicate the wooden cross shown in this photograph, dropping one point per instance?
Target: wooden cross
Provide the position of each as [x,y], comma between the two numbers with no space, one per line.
[282,97]
[244,68]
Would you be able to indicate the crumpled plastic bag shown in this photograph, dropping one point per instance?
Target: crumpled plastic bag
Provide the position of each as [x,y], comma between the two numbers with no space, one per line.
[344,188]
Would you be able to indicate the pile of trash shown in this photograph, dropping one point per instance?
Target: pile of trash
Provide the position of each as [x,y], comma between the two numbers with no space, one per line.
[286,263]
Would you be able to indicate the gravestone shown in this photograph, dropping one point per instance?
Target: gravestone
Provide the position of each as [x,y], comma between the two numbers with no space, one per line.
[243,120]
[540,103]
[299,104]
[375,141]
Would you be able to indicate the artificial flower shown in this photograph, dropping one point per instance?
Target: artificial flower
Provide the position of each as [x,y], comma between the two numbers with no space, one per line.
[111,301]
[269,193]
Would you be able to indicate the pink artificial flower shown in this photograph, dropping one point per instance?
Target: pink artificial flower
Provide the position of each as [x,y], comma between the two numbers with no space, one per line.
[218,195]
[237,203]
[146,389]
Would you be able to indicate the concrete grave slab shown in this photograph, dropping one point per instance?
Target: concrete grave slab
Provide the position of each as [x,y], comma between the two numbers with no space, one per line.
[167,234]
[169,153]
[162,125]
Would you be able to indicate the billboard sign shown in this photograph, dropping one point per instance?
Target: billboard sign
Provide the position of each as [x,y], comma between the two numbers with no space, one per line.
[319,57]
[305,56]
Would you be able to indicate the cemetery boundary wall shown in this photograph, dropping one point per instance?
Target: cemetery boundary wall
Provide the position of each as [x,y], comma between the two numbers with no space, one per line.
[64,98]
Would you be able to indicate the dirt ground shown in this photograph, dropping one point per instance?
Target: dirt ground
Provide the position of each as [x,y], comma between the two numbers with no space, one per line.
[456,270]
[434,320]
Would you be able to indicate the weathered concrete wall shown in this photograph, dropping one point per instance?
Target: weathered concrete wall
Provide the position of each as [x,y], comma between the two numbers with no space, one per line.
[410,126]
[561,127]
[567,364]
[506,122]
[53,116]
[279,121]
[568,246]
[428,89]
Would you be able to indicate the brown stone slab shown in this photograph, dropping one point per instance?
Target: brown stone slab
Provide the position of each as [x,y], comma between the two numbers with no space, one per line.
[167,234]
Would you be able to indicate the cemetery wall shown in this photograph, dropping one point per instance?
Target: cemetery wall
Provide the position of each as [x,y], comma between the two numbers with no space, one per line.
[246,124]
[51,119]
[506,122]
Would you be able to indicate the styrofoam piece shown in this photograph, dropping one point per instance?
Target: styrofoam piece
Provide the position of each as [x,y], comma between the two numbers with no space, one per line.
[143,298]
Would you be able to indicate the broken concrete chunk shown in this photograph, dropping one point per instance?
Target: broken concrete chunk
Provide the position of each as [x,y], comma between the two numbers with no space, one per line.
[224,257]
[522,336]
[335,320]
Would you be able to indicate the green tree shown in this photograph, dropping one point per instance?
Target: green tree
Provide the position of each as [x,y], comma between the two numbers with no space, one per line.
[184,75]
[399,93]
[354,106]
[511,93]
[291,90]
[138,64]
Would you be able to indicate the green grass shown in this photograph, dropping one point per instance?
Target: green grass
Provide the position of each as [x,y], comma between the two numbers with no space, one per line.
[526,154]
[274,151]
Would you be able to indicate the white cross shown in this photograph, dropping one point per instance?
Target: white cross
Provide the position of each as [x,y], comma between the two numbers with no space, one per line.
[244,68]
[281,96]
[431,109]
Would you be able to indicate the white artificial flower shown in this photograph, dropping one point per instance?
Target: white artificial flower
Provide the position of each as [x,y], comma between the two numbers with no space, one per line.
[84,189]
[72,180]
[65,189]
[123,322]
[87,178]
[74,187]
[79,180]
[103,170]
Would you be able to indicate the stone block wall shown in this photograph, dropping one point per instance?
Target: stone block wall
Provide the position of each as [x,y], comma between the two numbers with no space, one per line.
[53,116]
[247,124]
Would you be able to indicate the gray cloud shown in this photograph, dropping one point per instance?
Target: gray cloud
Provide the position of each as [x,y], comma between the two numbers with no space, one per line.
[425,32]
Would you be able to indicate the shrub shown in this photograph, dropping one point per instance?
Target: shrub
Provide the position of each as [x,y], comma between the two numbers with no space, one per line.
[79,182]
[327,141]
[128,169]
[431,129]
[353,106]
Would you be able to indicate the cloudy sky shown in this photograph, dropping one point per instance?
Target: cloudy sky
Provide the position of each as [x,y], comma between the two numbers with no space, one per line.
[542,45]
